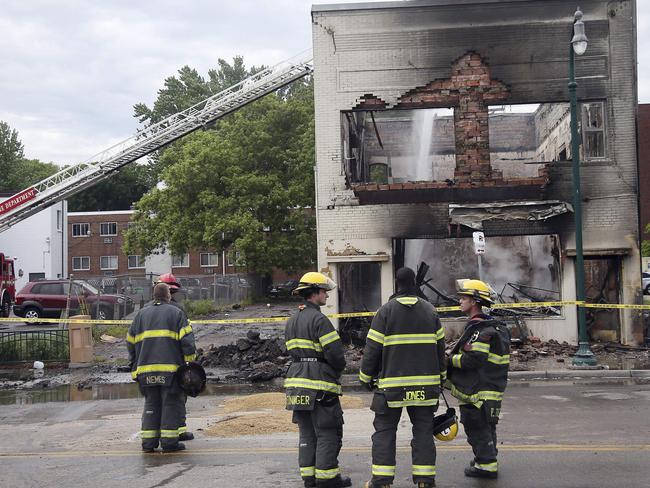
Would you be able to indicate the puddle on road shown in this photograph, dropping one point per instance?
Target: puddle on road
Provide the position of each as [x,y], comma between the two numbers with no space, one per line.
[70,393]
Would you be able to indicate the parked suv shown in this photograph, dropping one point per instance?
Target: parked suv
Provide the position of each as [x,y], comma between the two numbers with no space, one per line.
[47,298]
[282,289]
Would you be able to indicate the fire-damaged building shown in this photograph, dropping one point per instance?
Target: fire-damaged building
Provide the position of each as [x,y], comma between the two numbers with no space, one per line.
[436,119]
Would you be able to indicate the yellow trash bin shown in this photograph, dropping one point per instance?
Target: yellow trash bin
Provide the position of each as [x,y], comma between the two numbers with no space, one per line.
[80,340]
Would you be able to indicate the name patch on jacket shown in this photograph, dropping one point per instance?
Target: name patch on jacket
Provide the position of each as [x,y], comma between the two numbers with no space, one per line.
[301,400]
[155,380]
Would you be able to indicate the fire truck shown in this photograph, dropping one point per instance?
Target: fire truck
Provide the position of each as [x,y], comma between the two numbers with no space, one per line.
[7,285]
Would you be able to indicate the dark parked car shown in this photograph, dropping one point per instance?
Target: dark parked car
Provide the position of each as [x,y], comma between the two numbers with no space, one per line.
[47,298]
[645,278]
[282,289]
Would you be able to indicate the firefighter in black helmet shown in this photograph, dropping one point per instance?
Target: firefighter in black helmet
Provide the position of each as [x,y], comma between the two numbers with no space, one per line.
[405,354]
[313,385]
[478,373]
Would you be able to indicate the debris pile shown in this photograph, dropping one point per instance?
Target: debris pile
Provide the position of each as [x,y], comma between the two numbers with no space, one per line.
[255,358]
[535,348]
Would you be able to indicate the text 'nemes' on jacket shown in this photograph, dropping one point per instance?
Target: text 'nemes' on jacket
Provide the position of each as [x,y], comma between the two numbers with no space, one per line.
[405,352]
[159,340]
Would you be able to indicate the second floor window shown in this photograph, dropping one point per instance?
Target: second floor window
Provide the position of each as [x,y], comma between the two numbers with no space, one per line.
[80,230]
[182,261]
[593,130]
[108,229]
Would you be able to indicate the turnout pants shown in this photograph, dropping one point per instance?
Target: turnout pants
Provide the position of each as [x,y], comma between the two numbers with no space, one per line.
[160,419]
[481,429]
[321,438]
[423,449]
[182,413]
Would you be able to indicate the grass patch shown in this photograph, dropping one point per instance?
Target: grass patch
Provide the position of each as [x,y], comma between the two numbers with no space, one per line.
[197,308]
[111,330]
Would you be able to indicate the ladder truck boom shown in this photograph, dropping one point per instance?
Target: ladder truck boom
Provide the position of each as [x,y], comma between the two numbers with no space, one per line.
[76,178]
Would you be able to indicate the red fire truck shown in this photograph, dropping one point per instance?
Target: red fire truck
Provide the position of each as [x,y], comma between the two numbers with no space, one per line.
[7,285]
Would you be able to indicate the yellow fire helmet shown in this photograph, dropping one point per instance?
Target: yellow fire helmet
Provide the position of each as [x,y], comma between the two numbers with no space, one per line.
[445,426]
[477,289]
[314,280]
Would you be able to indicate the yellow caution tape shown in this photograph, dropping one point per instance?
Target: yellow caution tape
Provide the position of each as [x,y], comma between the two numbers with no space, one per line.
[267,320]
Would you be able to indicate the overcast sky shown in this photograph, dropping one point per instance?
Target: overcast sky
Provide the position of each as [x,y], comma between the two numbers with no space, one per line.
[73,69]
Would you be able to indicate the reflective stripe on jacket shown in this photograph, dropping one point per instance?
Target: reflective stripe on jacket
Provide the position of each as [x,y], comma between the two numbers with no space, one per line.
[310,334]
[479,362]
[159,340]
[405,351]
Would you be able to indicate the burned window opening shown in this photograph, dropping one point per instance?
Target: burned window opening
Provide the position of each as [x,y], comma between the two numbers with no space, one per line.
[359,291]
[518,268]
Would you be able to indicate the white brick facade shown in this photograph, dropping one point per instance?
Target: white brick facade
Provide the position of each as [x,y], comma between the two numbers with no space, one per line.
[390,48]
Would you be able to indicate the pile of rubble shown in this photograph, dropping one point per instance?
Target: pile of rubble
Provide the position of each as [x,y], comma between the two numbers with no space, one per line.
[535,348]
[254,358]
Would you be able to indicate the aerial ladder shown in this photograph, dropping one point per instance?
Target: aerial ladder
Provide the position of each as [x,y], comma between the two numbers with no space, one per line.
[80,176]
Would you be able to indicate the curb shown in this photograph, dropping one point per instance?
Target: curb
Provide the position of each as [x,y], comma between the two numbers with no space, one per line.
[558,374]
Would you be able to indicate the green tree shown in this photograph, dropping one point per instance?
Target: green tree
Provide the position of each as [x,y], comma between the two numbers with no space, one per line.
[119,192]
[247,183]
[187,89]
[31,171]
[16,172]
[11,152]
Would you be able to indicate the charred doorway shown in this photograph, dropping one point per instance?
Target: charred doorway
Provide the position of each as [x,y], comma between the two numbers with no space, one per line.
[359,291]
[602,285]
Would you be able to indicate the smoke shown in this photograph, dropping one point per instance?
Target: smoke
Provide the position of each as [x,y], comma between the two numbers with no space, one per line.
[524,260]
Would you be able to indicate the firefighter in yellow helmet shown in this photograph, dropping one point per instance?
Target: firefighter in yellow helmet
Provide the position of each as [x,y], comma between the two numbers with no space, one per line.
[313,385]
[478,373]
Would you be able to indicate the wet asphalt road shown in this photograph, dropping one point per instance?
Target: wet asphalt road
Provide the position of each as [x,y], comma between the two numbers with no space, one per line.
[553,434]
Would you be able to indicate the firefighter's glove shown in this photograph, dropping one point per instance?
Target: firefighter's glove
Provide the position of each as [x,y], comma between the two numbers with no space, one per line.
[368,386]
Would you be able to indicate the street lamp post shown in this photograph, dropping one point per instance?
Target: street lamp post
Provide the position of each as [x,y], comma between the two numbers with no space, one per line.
[584,356]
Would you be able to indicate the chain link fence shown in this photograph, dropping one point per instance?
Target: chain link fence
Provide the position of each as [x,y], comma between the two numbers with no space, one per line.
[220,289]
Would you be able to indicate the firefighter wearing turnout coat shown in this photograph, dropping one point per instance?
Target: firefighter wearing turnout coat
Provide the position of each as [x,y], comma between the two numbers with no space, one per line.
[313,385]
[478,373]
[160,340]
[405,358]
[174,287]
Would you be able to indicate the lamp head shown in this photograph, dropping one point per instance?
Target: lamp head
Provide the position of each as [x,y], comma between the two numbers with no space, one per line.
[579,40]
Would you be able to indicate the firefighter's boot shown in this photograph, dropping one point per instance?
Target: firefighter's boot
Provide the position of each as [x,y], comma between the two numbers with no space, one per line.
[186,436]
[178,447]
[473,472]
[337,482]
[370,484]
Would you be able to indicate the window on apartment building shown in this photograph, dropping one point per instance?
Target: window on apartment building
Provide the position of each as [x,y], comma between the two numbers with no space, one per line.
[593,130]
[235,258]
[209,259]
[136,261]
[81,263]
[108,229]
[80,230]
[108,262]
[181,261]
